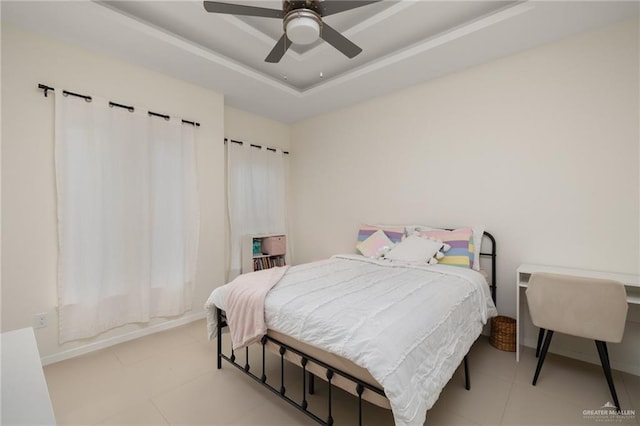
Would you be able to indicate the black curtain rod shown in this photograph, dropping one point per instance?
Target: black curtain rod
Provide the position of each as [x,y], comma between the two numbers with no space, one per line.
[111,104]
[127,107]
[254,146]
[155,114]
[67,93]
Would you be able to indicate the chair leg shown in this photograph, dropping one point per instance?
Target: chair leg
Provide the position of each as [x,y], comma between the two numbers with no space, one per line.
[543,355]
[606,366]
[540,337]
[467,382]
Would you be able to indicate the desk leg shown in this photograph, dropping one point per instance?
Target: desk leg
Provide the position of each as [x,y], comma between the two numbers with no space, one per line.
[517,317]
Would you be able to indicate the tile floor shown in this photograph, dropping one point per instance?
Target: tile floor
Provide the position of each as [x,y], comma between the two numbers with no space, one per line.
[171,378]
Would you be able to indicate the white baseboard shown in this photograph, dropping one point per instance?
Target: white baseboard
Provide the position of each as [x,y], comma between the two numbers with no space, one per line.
[81,350]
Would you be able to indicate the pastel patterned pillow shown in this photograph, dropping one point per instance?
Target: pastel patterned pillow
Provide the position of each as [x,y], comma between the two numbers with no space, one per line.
[394,233]
[478,233]
[461,252]
[377,244]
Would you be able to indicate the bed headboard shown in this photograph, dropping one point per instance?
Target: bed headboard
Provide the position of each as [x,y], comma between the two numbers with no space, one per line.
[492,255]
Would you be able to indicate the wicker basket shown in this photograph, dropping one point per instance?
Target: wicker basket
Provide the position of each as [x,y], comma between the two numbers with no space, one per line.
[503,333]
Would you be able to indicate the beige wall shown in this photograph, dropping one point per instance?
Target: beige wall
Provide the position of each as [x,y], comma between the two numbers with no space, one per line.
[541,147]
[29,240]
[245,126]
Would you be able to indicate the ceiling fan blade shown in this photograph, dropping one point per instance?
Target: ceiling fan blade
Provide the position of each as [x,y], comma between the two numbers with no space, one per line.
[240,9]
[278,50]
[330,7]
[339,41]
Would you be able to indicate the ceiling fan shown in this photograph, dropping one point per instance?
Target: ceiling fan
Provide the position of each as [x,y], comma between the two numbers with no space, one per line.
[302,22]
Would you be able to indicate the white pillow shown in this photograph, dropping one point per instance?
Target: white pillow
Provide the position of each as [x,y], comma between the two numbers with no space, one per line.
[375,245]
[414,249]
[478,232]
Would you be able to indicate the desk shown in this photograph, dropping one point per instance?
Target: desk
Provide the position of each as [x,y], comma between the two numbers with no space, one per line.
[25,397]
[630,281]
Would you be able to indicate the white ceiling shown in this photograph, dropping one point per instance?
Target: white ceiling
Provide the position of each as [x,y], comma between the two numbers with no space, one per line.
[404,43]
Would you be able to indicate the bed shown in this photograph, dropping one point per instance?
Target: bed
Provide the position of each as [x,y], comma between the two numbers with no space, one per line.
[389,333]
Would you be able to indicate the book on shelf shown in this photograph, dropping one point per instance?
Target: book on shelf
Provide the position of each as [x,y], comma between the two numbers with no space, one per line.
[263,252]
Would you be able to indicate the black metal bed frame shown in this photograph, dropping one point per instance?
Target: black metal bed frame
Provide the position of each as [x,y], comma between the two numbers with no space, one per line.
[331,371]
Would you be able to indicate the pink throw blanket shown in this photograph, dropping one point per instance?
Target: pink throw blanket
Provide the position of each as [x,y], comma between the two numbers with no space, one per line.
[245,305]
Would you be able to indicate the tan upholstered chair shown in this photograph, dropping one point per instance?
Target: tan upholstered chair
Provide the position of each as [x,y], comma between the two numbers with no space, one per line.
[584,307]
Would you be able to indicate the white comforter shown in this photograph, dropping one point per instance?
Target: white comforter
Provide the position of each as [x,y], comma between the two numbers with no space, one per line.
[409,326]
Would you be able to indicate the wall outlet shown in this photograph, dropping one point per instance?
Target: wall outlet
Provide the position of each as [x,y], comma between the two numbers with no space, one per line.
[40,320]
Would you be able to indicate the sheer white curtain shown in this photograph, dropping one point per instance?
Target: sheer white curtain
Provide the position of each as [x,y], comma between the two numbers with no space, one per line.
[256,195]
[127,216]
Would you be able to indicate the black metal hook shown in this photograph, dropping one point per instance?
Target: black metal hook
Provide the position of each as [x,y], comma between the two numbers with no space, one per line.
[46,89]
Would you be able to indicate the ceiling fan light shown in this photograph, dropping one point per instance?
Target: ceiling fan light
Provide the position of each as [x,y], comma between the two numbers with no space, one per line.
[303,29]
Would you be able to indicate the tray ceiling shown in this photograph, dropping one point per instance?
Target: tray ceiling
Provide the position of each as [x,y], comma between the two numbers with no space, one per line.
[403,42]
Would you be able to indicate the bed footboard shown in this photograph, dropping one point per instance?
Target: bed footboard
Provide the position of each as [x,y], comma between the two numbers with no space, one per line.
[330,372]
